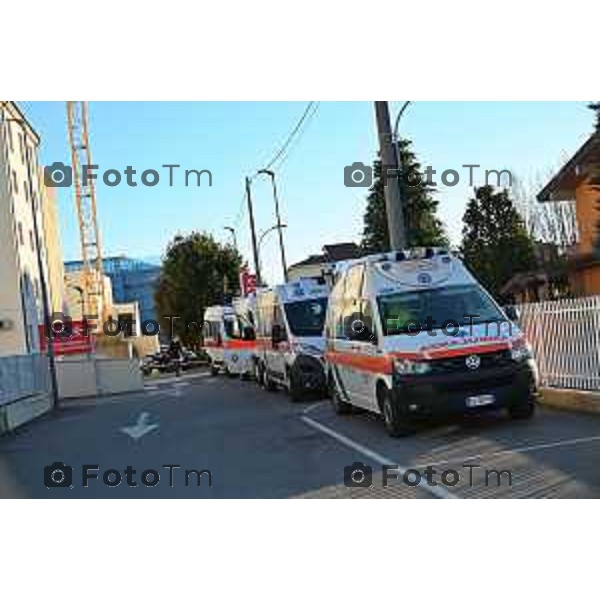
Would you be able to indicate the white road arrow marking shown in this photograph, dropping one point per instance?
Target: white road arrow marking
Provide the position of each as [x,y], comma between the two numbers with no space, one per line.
[141,428]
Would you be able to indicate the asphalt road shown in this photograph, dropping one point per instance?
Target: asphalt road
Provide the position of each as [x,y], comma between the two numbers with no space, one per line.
[238,441]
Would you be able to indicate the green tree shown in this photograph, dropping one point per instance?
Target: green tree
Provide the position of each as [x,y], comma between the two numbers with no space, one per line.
[197,272]
[423,227]
[495,243]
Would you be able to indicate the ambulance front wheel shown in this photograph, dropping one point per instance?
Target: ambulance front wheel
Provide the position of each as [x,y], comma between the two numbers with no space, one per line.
[265,380]
[396,421]
[522,410]
[340,406]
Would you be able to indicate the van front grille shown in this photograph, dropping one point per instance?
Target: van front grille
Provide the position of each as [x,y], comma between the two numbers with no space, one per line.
[458,364]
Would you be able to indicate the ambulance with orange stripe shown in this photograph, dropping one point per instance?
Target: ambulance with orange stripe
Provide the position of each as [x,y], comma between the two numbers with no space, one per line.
[229,340]
[290,339]
[412,334]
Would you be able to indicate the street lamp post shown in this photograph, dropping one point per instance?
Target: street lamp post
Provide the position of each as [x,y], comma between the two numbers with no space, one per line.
[398,117]
[400,164]
[233,236]
[40,264]
[279,226]
[264,234]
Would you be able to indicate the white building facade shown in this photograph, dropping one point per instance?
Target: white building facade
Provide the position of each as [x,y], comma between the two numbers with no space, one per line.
[21,307]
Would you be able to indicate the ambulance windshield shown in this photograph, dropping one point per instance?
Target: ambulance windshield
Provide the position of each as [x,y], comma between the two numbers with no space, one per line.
[426,310]
[306,317]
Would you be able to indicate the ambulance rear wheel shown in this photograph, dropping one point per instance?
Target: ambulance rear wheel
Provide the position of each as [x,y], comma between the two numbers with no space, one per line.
[395,419]
[214,369]
[295,389]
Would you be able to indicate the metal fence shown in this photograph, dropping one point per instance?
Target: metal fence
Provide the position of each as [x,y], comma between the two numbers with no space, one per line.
[565,336]
[22,376]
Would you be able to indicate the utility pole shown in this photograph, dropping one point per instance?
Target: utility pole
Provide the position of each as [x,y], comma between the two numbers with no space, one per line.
[389,159]
[253,233]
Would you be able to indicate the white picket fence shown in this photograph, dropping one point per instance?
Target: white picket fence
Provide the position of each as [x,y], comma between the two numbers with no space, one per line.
[565,335]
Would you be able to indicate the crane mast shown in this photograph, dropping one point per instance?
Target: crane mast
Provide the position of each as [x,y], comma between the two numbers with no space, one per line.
[85,200]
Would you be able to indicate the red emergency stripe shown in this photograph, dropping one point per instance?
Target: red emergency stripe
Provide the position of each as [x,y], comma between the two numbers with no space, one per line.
[373,364]
[265,343]
[239,344]
[383,364]
[231,344]
[456,351]
[212,344]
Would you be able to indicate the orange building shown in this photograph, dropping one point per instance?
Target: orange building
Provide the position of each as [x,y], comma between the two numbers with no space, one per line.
[579,180]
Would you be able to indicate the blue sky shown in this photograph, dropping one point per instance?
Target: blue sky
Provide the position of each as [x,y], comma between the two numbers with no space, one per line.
[234,139]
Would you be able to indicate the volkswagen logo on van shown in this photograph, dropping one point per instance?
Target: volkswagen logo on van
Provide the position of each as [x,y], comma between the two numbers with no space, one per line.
[473,361]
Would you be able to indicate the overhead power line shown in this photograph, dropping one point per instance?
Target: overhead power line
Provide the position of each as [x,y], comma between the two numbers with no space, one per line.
[291,135]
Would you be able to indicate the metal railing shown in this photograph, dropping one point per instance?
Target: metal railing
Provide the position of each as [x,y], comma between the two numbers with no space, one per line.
[565,336]
[23,376]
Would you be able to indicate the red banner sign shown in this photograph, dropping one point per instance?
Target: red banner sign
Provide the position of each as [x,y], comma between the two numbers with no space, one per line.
[73,341]
[247,282]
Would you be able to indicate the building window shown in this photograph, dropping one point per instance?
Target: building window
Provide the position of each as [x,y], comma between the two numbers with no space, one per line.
[10,138]
[15,183]
[20,233]
[22,147]
[31,241]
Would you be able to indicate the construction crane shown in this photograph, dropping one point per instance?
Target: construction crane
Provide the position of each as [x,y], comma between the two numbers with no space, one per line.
[85,200]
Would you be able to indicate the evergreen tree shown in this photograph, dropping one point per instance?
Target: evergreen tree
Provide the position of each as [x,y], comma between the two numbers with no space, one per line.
[197,272]
[423,227]
[495,243]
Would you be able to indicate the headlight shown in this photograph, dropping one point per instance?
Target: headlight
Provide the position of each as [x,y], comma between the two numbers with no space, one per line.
[521,350]
[404,366]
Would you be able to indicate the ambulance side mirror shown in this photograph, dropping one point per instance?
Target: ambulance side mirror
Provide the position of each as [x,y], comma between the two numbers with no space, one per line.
[278,334]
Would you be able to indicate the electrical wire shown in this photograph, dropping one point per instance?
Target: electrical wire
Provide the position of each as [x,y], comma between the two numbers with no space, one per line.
[301,132]
[290,137]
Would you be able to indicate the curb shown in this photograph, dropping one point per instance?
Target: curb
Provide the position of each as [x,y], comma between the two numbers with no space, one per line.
[571,400]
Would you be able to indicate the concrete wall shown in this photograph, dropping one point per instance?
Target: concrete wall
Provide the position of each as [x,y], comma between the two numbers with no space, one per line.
[18,413]
[24,390]
[117,376]
[76,378]
[84,377]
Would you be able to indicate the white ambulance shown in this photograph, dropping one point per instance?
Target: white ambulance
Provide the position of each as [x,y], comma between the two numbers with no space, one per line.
[412,334]
[229,340]
[290,340]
